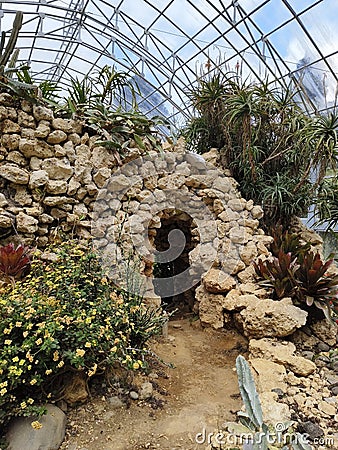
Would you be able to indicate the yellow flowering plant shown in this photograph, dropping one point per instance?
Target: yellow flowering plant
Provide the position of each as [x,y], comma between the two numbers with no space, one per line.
[65,316]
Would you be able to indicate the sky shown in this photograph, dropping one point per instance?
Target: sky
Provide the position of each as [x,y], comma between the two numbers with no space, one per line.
[177,45]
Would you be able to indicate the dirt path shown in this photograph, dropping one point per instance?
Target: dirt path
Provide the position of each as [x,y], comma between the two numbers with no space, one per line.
[201,393]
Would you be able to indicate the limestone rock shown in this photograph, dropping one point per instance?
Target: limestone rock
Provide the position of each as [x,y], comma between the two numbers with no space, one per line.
[216,281]
[16,158]
[56,137]
[8,126]
[64,125]
[22,435]
[42,113]
[57,169]
[26,223]
[5,221]
[38,178]
[14,174]
[269,318]
[43,130]
[11,141]
[234,301]
[210,308]
[35,147]
[26,120]
[3,200]
[57,187]
[273,411]
[257,212]
[269,374]
[325,331]
[281,353]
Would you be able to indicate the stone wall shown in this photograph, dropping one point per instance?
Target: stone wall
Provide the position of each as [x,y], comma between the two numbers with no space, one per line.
[50,173]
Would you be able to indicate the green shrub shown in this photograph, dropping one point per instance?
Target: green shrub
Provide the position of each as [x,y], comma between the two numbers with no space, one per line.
[65,316]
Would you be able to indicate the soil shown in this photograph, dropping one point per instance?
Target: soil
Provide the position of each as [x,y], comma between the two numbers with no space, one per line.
[199,393]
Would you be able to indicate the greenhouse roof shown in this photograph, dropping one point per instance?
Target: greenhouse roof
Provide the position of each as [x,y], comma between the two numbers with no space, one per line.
[168,44]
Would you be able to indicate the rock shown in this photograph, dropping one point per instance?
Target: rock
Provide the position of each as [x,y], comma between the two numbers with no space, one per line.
[43,130]
[57,187]
[325,331]
[269,318]
[273,411]
[322,347]
[26,223]
[56,137]
[210,308]
[21,434]
[5,221]
[115,402]
[270,374]
[16,158]
[37,178]
[14,174]
[146,390]
[133,395]
[235,301]
[42,113]
[76,389]
[35,147]
[257,212]
[57,169]
[11,141]
[216,281]
[281,352]
[26,120]
[327,408]
[64,125]
[311,429]
[8,126]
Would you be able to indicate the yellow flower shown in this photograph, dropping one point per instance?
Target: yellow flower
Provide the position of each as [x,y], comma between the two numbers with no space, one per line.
[88,344]
[18,324]
[3,391]
[15,359]
[6,331]
[36,425]
[80,352]
[25,334]
[55,355]
[8,341]
[30,401]
[114,349]
[23,405]
[34,381]
[48,371]
[61,363]
[38,341]
[136,365]
[21,362]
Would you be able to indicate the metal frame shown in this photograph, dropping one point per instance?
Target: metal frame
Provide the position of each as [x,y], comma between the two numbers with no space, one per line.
[88,34]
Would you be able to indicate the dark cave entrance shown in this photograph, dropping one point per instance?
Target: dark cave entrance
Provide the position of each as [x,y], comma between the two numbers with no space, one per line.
[175,238]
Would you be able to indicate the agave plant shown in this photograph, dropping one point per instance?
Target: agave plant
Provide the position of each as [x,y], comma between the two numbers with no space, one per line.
[14,261]
[257,434]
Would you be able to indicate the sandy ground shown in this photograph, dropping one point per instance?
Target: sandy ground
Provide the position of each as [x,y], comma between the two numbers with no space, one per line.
[200,393]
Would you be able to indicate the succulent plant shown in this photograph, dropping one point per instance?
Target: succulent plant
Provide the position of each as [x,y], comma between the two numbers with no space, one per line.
[14,262]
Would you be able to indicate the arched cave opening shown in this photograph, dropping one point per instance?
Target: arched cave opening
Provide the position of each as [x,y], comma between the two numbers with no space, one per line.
[174,240]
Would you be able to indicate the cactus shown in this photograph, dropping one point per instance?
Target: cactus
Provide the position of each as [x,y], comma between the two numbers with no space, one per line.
[6,52]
